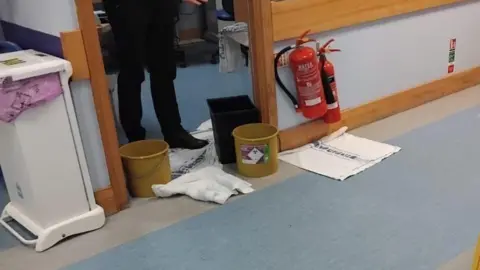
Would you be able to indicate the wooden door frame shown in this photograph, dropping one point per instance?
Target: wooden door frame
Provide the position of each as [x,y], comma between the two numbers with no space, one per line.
[261,42]
[115,198]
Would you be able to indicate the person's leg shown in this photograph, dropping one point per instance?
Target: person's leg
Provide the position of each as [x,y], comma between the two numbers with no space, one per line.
[162,68]
[161,64]
[130,36]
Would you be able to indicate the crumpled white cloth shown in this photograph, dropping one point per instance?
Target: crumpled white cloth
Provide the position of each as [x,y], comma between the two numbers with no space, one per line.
[209,184]
[231,56]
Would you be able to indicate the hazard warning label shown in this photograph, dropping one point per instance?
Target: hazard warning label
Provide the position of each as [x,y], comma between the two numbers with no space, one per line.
[255,154]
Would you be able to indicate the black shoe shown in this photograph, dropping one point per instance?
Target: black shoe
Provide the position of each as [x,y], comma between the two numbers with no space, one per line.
[183,139]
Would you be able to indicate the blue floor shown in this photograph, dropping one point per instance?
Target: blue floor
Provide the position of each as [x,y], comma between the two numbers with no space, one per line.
[416,210]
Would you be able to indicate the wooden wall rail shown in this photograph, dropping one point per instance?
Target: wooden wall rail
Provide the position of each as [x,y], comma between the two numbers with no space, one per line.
[379,109]
[291,17]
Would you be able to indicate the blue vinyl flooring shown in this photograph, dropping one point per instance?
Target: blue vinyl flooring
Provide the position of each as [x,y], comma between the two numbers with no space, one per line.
[416,210]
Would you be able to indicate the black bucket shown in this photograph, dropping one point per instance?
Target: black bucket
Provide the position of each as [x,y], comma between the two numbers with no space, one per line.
[227,114]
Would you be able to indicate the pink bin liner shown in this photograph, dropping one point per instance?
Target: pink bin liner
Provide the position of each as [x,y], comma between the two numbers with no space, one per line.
[19,96]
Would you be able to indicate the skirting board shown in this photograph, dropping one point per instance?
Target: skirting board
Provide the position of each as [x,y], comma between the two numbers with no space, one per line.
[106,199]
[384,107]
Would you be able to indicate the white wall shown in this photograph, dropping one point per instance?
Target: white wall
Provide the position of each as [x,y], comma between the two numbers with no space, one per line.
[389,56]
[53,17]
[48,16]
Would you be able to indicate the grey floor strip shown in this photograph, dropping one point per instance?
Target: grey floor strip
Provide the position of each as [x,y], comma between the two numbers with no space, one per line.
[415,210]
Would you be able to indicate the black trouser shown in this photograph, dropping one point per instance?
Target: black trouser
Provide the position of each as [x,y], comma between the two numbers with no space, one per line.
[144,33]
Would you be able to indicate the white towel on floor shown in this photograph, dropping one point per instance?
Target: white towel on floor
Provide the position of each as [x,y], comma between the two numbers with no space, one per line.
[230,53]
[210,184]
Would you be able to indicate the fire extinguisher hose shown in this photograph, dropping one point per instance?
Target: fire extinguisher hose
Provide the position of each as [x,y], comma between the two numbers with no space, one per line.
[277,76]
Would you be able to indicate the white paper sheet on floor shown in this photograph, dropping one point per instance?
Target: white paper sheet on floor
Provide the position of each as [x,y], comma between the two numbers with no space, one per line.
[183,161]
[340,157]
[210,184]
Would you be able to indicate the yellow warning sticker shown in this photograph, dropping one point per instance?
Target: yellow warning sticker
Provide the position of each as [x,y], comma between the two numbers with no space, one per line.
[12,62]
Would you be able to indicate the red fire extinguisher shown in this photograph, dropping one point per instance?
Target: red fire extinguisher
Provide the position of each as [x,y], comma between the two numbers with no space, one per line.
[333,114]
[304,65]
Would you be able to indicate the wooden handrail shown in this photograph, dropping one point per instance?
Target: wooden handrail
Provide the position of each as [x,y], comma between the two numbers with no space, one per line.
[291,17]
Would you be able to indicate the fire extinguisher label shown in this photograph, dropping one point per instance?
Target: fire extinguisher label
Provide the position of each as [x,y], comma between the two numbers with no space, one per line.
[332,106]
[309,84]
[313,102]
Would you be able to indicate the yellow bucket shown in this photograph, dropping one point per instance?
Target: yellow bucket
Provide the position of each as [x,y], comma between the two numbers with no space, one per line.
[256,147]
[146,163]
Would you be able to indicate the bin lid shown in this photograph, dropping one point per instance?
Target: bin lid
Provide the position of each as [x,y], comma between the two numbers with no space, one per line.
[30,63]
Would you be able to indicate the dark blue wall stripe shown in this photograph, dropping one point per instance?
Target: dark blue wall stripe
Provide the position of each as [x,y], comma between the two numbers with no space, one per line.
[31,39]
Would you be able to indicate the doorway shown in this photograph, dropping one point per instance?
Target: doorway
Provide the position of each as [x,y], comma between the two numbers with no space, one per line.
[258,13]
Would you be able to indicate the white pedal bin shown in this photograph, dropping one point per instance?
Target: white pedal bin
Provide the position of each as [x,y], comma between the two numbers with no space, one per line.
[43,160]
